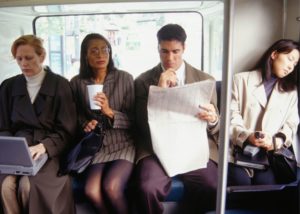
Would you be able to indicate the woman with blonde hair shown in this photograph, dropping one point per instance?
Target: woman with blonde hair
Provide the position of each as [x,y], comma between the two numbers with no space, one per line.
[39,106]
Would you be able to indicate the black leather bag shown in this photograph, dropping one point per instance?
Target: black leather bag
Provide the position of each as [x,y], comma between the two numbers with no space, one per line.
[80,157]
[284,165]
[258,161]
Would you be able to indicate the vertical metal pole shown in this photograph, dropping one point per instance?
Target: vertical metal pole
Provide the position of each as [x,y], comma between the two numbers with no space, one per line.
[225,105]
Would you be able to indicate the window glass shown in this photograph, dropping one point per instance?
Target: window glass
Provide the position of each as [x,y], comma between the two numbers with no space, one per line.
[130,27]
[132,36]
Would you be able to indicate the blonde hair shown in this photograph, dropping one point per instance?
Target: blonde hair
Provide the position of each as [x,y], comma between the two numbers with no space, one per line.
[32,40]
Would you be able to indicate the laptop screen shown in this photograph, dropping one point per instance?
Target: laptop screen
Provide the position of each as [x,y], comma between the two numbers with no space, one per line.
[14,151]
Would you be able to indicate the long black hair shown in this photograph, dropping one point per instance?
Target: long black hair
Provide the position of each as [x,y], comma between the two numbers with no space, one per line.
[85,70]
[289,82]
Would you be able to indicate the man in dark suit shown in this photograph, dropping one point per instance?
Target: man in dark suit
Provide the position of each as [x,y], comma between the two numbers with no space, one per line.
[153,184]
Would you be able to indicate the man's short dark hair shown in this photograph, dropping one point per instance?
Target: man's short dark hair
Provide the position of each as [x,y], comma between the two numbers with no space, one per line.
[171,32]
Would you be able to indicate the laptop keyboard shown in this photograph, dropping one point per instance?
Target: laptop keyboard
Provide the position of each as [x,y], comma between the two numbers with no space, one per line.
[37,161]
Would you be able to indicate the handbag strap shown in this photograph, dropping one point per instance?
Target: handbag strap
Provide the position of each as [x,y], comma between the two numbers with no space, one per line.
[274,143]
[102,123]
[285,152]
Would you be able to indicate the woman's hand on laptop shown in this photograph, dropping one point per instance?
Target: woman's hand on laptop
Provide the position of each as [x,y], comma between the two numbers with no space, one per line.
[37,150]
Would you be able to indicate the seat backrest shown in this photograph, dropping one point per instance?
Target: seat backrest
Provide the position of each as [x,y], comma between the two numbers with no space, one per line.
[218,89]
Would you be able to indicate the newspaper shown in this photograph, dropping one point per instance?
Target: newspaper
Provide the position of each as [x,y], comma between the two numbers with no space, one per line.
[179,138]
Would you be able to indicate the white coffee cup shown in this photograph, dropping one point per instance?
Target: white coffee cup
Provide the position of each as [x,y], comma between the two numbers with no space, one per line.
[92,91]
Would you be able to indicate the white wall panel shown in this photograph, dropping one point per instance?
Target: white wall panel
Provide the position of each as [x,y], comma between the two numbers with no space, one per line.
[257,24]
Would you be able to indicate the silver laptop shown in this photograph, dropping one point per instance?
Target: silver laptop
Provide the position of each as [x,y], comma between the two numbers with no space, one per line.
[15,157]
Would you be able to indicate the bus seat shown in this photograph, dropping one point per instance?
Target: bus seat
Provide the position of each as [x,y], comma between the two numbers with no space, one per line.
[282,198]
[218,89]
[177,190]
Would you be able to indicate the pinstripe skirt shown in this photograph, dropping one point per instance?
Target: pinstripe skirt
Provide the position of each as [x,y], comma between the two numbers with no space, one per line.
[116,146]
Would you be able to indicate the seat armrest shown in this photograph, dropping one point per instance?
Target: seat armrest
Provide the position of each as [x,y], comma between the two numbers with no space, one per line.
[255,188]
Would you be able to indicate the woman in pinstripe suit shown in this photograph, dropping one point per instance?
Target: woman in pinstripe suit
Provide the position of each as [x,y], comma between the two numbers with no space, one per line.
[111,168]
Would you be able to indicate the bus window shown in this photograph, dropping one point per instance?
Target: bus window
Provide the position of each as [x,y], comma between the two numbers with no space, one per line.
[131,34]
[131,28]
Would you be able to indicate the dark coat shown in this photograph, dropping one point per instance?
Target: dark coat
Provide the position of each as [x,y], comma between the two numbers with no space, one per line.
[50,120]
[142,84]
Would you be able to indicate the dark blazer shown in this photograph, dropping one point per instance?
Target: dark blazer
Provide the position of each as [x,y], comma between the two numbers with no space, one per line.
[50,120]
[119,88]
[142,84]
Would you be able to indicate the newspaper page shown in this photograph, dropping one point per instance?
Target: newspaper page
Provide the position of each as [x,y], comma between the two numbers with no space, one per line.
[179,138]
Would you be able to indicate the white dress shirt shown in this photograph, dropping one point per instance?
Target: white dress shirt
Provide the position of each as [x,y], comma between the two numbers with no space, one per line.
[180,74]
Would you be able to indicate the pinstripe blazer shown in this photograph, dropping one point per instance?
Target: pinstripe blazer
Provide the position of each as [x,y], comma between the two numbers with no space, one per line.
[250,109]
[142,84]
[119,88]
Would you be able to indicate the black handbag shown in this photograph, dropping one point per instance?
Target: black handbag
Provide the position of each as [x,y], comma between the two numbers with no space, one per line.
[80,157]
[284,165]
[257,161]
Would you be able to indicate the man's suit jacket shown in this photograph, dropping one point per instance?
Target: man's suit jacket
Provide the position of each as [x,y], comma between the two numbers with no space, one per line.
[142,84]
[251,111]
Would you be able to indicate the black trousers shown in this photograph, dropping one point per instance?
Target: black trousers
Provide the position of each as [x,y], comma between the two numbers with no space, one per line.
[238,175]
[152,185]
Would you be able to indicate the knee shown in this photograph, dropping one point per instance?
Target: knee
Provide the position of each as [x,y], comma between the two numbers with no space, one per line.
[113,189]
[8,185]
[144,184]
[24,186]
[146,187]
[150,178]
[92,193]
[237,176]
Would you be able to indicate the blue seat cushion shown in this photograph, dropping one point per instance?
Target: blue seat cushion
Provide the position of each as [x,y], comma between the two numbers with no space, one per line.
[78,188]
[177,190]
